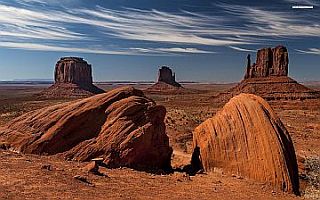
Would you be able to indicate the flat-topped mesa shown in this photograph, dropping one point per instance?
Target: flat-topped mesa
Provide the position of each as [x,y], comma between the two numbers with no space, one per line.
[72,78]
[165,75]
[268,78]
[269,62]
[73,70]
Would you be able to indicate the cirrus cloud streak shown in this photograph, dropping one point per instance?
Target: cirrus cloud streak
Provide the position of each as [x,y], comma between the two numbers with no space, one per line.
[148,31]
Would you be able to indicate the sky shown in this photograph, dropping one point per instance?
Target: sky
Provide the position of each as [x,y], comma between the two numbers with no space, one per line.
[125,40]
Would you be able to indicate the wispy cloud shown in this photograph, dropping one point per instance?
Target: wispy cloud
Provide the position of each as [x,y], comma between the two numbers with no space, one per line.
[157,26]
[183,50]
[275,23]
[172,50]
[242,49]
[26,23]
[309,51]
[159,32]
[48,47]
[45,2]
[33,1]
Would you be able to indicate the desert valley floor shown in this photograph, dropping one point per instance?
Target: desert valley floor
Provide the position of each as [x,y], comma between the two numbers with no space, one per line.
[47,177]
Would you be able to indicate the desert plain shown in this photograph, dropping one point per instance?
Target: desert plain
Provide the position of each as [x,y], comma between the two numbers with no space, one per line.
[24,176]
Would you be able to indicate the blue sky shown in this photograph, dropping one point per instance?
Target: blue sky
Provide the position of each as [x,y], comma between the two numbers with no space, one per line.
[128,40]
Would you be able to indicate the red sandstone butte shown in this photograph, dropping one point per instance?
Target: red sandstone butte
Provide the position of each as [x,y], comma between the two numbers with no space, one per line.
[269,62]
[166,82]
[268,78]
[73,78]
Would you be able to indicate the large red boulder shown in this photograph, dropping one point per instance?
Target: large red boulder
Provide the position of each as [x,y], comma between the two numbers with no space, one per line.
[122,126]
[246,138]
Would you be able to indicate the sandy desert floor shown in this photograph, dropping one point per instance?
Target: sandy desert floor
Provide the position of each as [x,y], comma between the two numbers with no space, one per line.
[28,176]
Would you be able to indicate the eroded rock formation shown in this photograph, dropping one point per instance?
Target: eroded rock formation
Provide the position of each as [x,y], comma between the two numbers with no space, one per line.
[268,78]
[269,62]
[166,82]
[165,75]
[73,70]
[122,126]
[73,77]
[246,138]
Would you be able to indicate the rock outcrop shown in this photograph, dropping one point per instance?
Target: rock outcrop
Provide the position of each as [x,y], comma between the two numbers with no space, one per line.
[269,62]
[123,127]
[246,138]
[73,70]
[273,88]
[73,78]
[268,78]
[166,82]
[165,75]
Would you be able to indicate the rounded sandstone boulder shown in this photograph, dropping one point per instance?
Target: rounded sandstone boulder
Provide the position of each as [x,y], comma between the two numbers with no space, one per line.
[246,138]
[123,127]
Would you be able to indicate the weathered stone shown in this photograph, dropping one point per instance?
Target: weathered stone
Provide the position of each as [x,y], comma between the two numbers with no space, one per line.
[123,127]
[269,79]
[92,167]
[73,78]
[280,61]
[165,75]
[247,139]
[166,82]
[269,62]
[73,70]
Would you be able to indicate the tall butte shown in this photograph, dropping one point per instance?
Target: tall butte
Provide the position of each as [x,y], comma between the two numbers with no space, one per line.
[270,63]
[165,75]
[73,78]
[268,78]
[166,81]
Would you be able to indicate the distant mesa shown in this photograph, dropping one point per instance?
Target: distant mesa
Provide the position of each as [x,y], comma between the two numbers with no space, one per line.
[73,70]
[165,75]
[166,81]
[73,78]
[122,126]
[247,139]
[268,78]
[270,62]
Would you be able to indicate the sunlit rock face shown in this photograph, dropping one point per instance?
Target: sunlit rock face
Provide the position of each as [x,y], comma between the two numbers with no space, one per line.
[246,138]
[122,126]
[73,78]
[269,62]
[73,70]
[268,78]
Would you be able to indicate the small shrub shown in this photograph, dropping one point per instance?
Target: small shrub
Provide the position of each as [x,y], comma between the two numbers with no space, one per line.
[312,165]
